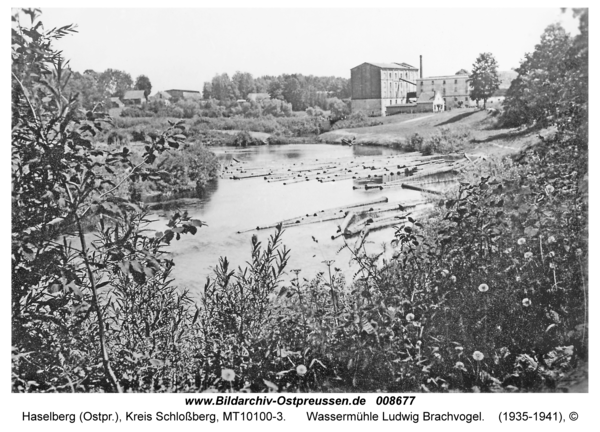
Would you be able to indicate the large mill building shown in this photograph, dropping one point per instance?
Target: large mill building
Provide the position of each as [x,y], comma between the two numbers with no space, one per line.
[376,86]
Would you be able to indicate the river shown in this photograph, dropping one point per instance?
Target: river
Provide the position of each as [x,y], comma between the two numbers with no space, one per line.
[236,205]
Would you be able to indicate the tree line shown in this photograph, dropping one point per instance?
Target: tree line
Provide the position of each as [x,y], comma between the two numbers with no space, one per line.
[302,91]
[94,88]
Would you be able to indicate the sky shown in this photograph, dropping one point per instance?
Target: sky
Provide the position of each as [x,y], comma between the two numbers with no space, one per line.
[183,47]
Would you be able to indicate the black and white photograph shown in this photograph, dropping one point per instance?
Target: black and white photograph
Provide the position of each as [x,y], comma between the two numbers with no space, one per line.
[299,200]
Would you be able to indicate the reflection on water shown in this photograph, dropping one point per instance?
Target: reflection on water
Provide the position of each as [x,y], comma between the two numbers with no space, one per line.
[230,206]
[369,151]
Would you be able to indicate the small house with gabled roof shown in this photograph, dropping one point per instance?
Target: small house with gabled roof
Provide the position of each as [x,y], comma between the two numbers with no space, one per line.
[134,97]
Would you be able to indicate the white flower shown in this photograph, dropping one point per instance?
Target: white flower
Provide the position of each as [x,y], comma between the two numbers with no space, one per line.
[549,189]
[483,287]
[526,302]
[410,317]
[478,355]
[578,252]
[551,239]
[301,370]
[528,255]
[228,374]
[453,278]
[460,365]
[521,241]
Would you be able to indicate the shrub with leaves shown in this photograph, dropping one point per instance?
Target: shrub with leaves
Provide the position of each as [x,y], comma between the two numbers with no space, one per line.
[62,332]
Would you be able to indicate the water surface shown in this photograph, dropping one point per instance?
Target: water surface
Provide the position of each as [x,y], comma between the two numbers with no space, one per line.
[236,205]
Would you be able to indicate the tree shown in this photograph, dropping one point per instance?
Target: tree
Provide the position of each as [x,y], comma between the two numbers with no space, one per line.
[292,92]
[223,89]
[339,109]
[275,88]
[88,92]
[244,82]
[71,292]
[532,94]
[552,80]
[207,91]
[484,78]
[143,83]
[115,82]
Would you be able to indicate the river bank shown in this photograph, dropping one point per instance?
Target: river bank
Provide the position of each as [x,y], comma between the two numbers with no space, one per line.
[471,130]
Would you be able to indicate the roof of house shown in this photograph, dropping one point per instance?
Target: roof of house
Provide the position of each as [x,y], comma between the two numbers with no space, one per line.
[117,101]
[402,66]
[443,77]
[185,91]
[192,95]
[134,94]
[255,96]
[430,97]
[426,97]
[162,95]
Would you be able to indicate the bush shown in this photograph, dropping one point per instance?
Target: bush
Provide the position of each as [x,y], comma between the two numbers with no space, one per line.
[117,138]
[138,135]
[244,139]
[414,143]
[445,142]
[355,120]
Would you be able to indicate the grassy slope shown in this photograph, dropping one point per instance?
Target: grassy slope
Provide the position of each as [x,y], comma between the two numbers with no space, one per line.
[484,138]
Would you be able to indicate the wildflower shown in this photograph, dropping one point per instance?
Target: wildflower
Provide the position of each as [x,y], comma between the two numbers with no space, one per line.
[445,272]
[460,365]
[552,265]
[521,241]
[478,355]
[528,255]
[551,239]
[227,374]
[453,278]
[410,317]
[483,287]
[578,252]
[526,302]
[301,370]
[518,278]
[551,254]
[549,189]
